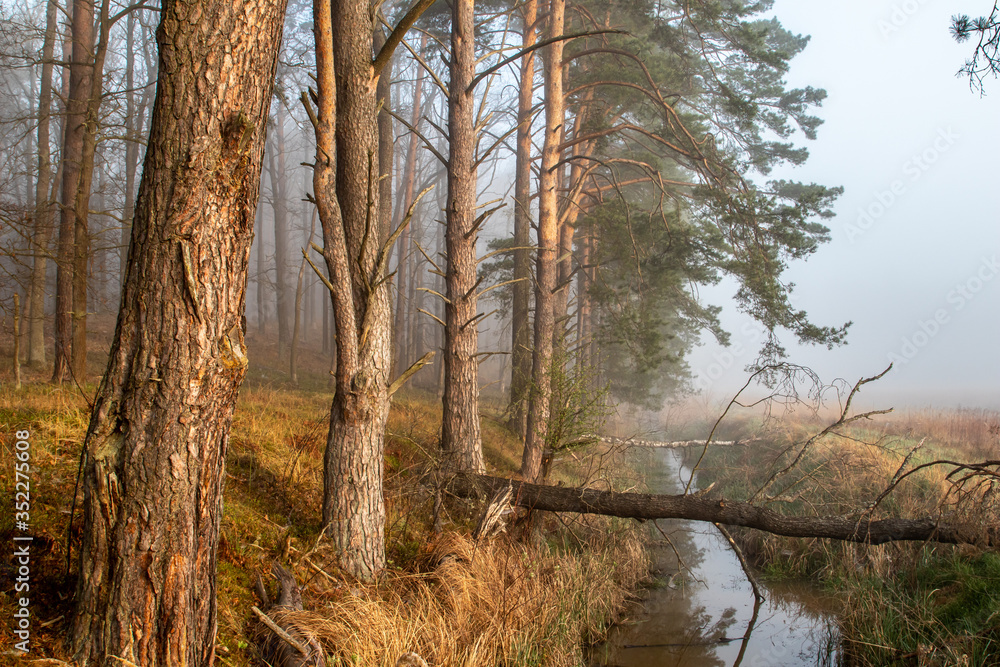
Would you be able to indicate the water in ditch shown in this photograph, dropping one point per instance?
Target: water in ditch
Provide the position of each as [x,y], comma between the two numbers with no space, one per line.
[702,613]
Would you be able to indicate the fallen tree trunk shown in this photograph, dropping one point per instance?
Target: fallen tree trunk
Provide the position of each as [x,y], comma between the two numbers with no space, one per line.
[697,507]
[674,444]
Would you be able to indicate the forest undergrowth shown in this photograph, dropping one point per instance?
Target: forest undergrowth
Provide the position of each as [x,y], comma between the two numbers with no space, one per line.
[454,601]
[900,603]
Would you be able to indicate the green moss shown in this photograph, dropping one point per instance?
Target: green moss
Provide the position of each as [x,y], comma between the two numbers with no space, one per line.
[966,591]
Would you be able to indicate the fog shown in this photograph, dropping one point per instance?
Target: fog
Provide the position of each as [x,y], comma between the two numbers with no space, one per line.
[913,256]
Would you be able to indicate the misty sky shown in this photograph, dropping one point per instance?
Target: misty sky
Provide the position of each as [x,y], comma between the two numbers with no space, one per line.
[916,239]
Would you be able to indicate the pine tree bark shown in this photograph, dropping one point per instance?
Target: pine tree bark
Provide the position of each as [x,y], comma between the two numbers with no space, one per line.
[547,271]
[461,440]
[520,350]
[155,448]
[345,186]
[43,202]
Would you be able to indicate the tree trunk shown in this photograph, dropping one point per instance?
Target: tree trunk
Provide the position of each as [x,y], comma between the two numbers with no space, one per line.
[520,350]
[156,444]
[261,273]
[98,293]
[696,507]
[386,136]
[415,336]
[308,305]
[30,156]
[411,322]
[560,299]
[135,120]
[17,341]
[43,203]
[461,440]
[406,192]
[81,71]
[62,324]
[440,287]
[293,348]
[346,126]
[81,201]
[279,204]
[583,316]
[569,213]
[546,273]
[326,327]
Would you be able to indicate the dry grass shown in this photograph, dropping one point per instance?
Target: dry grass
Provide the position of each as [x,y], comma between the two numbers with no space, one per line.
[496,603]
[56,419]
[456,604]
[971,432]
[914,603]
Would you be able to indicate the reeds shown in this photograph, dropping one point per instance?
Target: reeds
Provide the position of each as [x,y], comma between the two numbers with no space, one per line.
[902,603]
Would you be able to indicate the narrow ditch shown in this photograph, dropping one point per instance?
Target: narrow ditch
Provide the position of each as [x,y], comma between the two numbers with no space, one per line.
[700,611]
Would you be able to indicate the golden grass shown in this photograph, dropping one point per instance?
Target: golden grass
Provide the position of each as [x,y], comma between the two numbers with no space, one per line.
[969,432]
[499,603]
[901,603]
[844,474]
[448,600]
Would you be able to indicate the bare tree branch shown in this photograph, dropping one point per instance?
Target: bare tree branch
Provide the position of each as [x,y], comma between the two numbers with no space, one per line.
[397,34]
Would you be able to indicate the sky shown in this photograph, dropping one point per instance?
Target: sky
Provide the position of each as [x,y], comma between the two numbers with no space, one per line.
[914,257]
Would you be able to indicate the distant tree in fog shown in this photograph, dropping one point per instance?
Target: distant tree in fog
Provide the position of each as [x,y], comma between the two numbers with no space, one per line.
[649,185]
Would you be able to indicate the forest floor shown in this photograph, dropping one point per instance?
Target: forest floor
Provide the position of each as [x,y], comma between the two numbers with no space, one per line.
[501,602]
[444,596]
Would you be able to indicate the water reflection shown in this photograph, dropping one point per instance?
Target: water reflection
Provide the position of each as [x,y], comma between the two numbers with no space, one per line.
[706,615]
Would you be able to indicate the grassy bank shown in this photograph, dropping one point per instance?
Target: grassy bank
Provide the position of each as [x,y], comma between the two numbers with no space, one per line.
[900,603]
[499,602]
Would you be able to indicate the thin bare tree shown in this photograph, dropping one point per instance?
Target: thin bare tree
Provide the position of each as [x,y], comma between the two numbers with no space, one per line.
[344,114]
